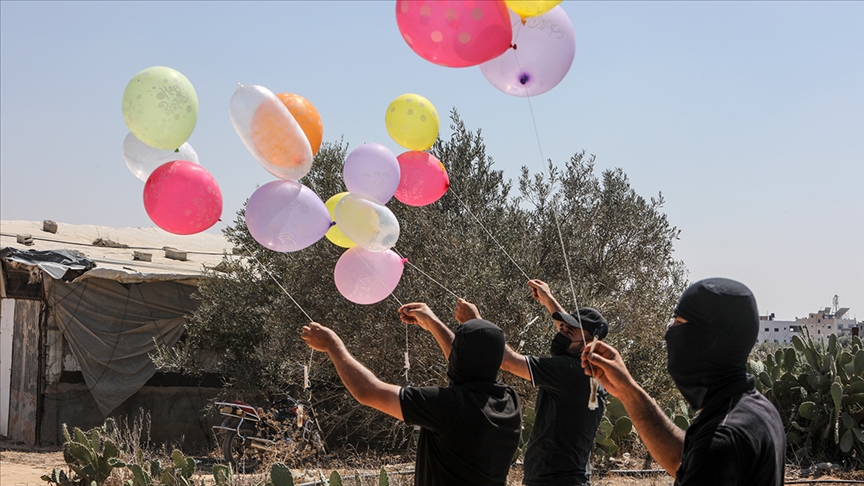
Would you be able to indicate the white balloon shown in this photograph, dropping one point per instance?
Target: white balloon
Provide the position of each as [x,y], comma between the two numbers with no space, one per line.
[143,159]
[270,132]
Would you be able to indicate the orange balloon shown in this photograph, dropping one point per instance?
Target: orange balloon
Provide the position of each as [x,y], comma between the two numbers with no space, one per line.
[271,139]
[307,116]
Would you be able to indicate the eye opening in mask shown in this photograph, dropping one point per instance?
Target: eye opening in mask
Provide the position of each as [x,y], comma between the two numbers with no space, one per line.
[675,320]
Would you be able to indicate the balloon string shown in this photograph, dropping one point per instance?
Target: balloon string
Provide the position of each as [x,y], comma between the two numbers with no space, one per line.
[490,234]
[592,400]
[415,267]
[277,282]
[392,294]
[308,367]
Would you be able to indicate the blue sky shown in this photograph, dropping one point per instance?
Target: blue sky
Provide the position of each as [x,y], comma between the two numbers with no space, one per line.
[747,116]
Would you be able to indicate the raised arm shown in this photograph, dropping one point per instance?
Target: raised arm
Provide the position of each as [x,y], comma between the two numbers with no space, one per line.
[540,291]
[664,440]
[420,314]
[515,363]
[363,385]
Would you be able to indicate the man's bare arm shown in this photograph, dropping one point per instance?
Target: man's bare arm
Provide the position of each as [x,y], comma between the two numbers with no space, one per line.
[664,440]
[363,385]
[515,363]
[420,314]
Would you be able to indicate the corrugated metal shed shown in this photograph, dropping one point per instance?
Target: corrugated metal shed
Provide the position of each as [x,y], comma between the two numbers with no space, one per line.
[119,263]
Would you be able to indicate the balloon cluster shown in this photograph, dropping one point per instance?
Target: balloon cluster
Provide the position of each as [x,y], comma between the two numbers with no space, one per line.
[525,52]
[160,108]
[283,132]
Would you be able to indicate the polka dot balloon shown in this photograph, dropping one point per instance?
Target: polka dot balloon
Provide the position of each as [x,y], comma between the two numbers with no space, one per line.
[412,121]
[455,34]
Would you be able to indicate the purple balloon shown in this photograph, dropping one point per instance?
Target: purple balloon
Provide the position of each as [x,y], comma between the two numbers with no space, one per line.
[545,48]
[373,170]
[366,277]
[286,216]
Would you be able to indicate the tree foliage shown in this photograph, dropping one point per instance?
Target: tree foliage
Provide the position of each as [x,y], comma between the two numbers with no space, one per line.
[479,242]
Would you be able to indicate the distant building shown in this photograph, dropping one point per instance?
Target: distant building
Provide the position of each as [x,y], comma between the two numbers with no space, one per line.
[819,324]
[825,322]
[776,332]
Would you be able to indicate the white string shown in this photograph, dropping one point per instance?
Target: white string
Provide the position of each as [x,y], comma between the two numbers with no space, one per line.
[415,267]
[277,282]
[592,400]
[306,367]
[490,234]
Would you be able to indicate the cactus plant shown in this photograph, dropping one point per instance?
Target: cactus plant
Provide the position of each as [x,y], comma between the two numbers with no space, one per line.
[818,388]
[280,475]
[614,427]
[383,478]
[90,455]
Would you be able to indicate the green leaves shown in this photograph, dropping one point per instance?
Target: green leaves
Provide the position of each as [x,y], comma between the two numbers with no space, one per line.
[820,396]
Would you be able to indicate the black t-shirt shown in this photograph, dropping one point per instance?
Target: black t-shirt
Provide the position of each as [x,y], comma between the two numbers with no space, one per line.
[559,449]
[469,433]
[735,440]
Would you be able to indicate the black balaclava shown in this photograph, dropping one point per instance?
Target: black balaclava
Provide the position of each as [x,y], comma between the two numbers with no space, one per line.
[476,353]
[709,352]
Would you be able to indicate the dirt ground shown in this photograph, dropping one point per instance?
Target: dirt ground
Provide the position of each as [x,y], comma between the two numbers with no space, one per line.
[23,466]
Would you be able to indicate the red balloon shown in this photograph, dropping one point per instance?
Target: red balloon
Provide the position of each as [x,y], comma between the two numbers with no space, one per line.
[422,179]
[182,198]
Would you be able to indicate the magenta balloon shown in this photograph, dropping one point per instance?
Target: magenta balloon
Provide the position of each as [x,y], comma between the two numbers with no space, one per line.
[372,170]
[181,197]
[423,179]
[366,277]
[545,48]
[455,34]
[286,216]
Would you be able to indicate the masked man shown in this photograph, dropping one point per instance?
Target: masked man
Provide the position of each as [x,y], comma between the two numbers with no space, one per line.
[561,441]
[470,429]
[737,438]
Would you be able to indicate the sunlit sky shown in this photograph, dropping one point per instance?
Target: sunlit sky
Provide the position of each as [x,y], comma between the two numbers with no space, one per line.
[747,116]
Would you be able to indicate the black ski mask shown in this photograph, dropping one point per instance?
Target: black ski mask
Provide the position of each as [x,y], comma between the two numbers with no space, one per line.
[476,353]
[709,352]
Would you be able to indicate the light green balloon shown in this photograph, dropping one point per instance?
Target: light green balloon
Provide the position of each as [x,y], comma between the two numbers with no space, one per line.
[160,107]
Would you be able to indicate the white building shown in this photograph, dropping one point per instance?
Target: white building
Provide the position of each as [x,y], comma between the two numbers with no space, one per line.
[820,325]
[776,332]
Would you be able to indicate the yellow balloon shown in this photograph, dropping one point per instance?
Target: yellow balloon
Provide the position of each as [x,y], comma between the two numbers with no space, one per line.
[531,8]
[412,121]
[334,234]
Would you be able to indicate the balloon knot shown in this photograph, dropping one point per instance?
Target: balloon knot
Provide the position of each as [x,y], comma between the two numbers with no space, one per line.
[404,261]
[177,151]
[524,78]
[332,223]
[513,46]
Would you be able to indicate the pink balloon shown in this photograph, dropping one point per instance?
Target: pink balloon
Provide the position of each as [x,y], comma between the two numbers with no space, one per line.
[455,33]
[181,197]
[366,277]
[424,179]
[372,170]
[545,48]
[286,216]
